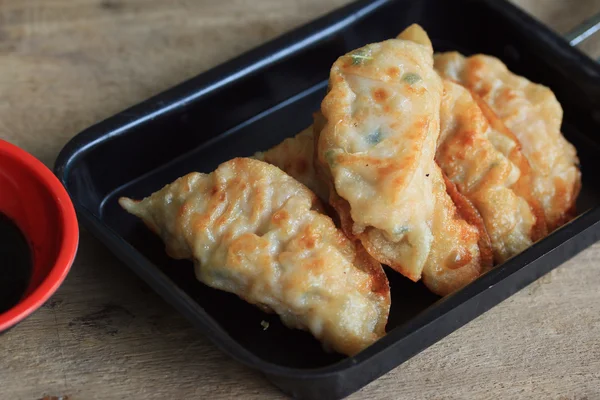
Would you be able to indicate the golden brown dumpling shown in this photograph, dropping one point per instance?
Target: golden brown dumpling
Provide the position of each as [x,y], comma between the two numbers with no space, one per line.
[533,114]
[254,231]
[484,160]
[376,146]
[376,141]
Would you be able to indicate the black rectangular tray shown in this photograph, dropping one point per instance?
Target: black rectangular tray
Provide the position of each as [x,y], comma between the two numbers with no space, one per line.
[253,102]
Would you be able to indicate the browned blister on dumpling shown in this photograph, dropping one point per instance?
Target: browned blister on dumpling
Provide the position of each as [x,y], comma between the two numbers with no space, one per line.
[254,231]
[483,159]
[533,114]
[376,138]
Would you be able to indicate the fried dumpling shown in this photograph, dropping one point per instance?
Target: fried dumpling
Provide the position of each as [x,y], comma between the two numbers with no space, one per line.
[484,160]
[376,141]
[252,230]
[295,157]
[381,121]
[533,114]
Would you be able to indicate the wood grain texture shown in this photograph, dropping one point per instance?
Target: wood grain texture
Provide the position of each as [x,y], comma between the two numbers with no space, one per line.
[65,64]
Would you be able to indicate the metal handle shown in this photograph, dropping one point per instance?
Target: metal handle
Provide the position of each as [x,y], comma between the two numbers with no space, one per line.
[584,31]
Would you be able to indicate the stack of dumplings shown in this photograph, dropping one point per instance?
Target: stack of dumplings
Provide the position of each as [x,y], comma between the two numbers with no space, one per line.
[438,166]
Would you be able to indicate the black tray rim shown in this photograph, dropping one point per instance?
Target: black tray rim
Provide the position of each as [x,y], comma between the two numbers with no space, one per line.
[251,61]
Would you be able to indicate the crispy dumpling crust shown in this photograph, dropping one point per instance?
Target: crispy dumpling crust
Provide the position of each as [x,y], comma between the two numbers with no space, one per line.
[533,114]
[461,249]
[254,231]
[484,160]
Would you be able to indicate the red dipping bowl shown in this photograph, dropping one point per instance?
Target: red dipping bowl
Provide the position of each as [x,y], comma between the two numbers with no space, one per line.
[39,205]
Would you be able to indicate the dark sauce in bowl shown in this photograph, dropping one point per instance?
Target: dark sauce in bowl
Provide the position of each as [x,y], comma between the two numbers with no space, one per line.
[16,263]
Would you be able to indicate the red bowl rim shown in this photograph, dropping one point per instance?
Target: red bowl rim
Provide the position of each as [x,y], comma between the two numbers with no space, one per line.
[69,239]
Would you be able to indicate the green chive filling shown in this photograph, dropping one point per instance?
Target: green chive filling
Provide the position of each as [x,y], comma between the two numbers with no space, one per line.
[360,56]
[411,78]
[374,137]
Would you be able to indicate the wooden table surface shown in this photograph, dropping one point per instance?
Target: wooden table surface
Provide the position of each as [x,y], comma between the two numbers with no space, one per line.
[65,64]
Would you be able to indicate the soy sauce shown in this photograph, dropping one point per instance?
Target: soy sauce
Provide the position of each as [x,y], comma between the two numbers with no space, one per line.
[16,263]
